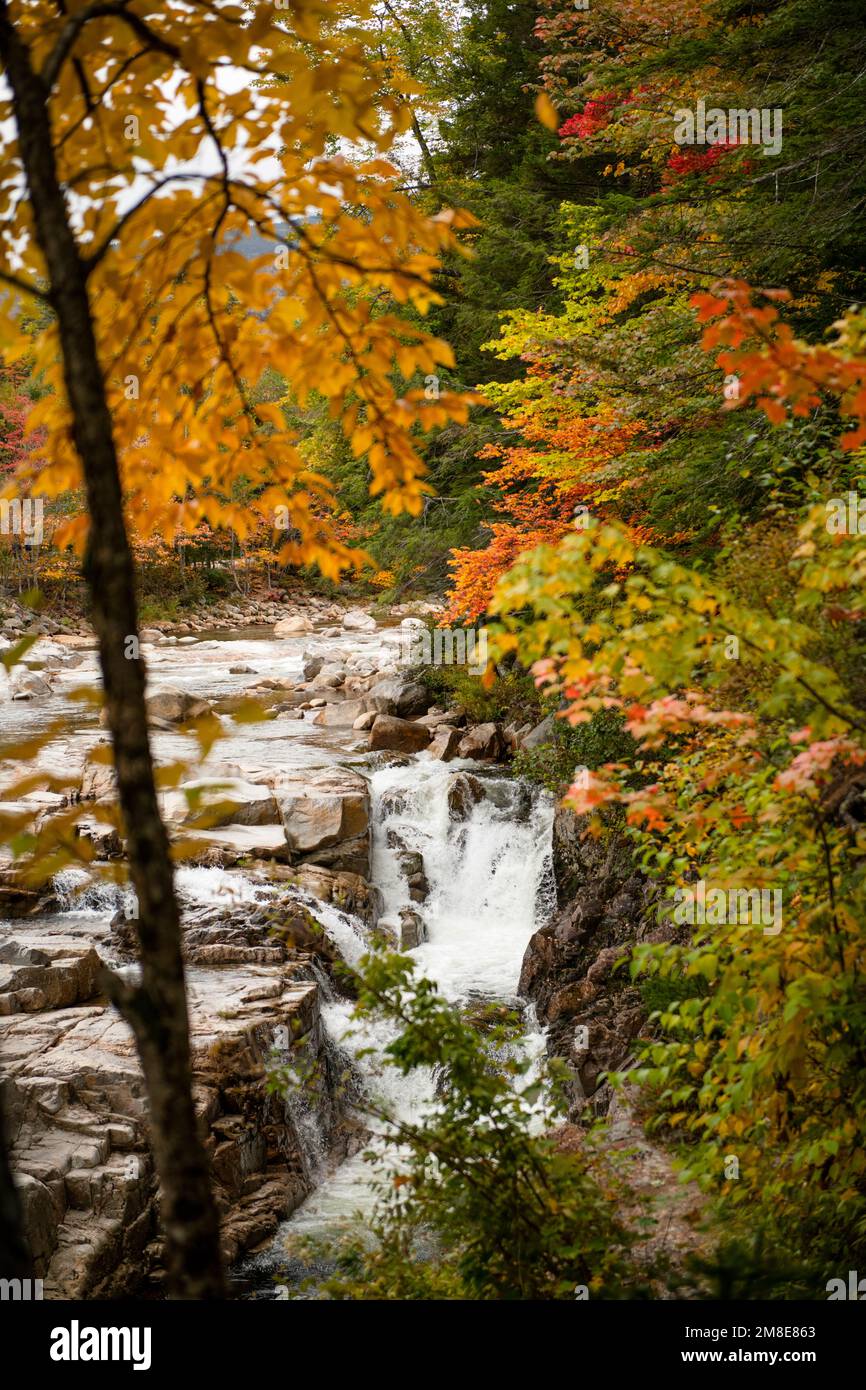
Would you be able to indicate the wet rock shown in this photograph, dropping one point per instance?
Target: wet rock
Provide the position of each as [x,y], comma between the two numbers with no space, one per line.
[445,743]
[592,1010]
[398,697]
[412,866]
[312,666]
[25,685]
[398,735]
[482,741]
[348,891]
[176,706]
[365,721]
[242,671]
[464,793]
[412,929]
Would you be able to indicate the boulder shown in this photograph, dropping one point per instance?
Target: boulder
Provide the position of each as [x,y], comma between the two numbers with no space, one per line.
[398,735]
[312,666]
[227,802]
[356,620]
[348,891]
[481,741]
[24,684]
[412,929]
[326,817]
[97,782]
[395,696]
[329,678]
[340,714]
[434,718]
[297,624]
[464,792]
[445,743]
[176,706]
[542,733]
[365,721]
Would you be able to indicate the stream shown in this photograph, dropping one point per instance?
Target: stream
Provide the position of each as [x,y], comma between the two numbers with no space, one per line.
[488,870]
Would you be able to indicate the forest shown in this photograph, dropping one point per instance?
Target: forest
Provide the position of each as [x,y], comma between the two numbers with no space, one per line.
[488,378]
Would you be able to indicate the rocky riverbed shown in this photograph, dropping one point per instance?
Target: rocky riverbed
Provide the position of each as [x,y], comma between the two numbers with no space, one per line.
[274,831]
[347,812]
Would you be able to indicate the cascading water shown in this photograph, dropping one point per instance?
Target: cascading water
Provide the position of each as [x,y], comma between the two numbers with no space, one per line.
[475,843]
[485,845]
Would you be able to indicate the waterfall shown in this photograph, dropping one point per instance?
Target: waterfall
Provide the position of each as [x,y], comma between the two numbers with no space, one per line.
[485,846]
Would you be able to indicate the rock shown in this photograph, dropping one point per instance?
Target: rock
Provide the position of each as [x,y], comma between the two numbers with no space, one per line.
[412,929]
[326,817]
[569,967]
[293,626]
[433,719]
[412,865]
[49,983]
[77,1116]
[399,697]
[176,706]
[356,620]
[347,891]
[542,733]
[339,714]
[329,678]
[150,634]
[236,844]
[365,721]
[97,782]
[398,735]
[464,793]
[445,743]
[312,666]
[514,734]
[242,671]
[228,801]
[482,741]
[24,684]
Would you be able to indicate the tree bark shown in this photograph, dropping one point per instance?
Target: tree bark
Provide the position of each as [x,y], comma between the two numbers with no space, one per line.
[15,1260]
[156,1009]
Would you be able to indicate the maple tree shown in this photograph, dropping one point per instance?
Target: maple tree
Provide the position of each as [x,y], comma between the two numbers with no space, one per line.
[708,426]
[144,159]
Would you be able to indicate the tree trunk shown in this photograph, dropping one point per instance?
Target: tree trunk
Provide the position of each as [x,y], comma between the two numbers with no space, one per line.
[15,1261]
[157,1008]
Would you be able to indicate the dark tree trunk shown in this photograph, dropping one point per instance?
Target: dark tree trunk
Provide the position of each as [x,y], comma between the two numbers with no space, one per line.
[15,1261]
[157,1009]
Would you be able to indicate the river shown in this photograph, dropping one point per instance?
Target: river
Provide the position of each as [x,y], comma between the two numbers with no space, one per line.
[488,870]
